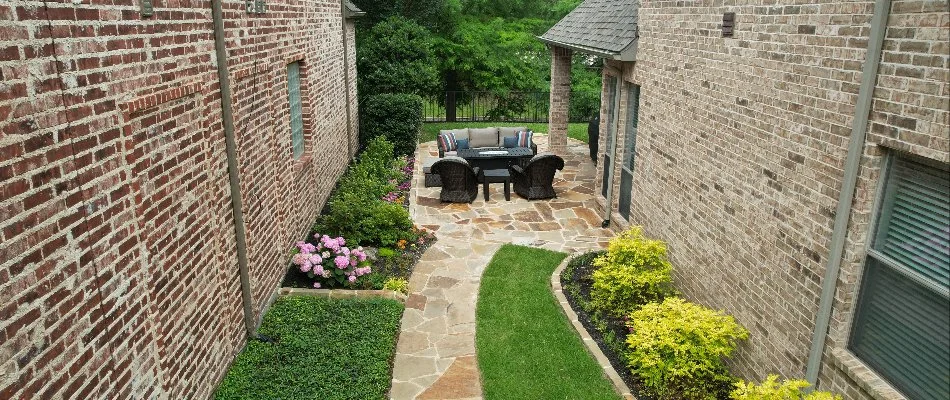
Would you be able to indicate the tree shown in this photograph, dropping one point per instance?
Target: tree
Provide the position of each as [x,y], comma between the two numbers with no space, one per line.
[396,56]
[438,16]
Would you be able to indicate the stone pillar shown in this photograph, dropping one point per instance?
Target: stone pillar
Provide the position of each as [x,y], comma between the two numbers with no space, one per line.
[560,99]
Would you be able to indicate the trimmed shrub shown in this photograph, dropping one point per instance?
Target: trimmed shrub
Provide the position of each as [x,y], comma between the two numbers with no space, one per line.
[397,117]
[633,272]
[772,390]
[678,347]
[397,285]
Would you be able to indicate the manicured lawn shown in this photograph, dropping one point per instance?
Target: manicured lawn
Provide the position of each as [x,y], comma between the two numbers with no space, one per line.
[526,347]
[324,349]
[431,129]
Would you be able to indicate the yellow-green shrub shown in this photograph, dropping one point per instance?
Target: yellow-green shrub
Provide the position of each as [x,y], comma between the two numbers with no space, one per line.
[633,272]
[772,390]
[397,285]
[677,349]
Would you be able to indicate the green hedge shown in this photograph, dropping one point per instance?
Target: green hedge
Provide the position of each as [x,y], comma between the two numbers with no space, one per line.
[397,117]
[322,349]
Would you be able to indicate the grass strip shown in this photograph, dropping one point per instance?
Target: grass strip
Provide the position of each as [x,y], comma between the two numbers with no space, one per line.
[324,349]
[526,347]
[431,129]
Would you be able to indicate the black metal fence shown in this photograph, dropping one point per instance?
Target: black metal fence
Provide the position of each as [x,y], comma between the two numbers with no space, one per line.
[505,107]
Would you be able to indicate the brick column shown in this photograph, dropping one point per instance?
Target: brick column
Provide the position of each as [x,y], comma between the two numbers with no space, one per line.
[560,99]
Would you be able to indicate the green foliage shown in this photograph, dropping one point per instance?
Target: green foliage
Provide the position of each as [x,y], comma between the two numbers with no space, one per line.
[324,349]
[356,209]
[386,252]
[772,390]
[397,117]
[634,272]
[437,16]
[677,349]
[397,285]
[397,57]
[527,349]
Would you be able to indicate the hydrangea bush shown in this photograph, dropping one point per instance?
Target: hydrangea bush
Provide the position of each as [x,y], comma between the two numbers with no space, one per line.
[331,262]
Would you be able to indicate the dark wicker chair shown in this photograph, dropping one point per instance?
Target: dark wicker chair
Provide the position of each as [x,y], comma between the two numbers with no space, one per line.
[459,180]
[536,179]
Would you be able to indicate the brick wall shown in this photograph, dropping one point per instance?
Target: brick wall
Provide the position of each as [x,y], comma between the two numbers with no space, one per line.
[118,273]
[740,154]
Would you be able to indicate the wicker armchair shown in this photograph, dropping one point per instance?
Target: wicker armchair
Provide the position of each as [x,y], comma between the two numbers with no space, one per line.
[536,179]
[459,180]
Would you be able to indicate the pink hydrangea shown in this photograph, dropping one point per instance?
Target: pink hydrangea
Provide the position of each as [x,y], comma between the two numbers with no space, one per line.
[341,261]
[352,278]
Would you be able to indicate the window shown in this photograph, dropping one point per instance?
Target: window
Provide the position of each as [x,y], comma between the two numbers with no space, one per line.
[902,320]
[296,108]
[611,98]
[629,148]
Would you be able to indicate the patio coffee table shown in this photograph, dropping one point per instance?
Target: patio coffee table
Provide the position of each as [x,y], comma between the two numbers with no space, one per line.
[495,158]
[496,176]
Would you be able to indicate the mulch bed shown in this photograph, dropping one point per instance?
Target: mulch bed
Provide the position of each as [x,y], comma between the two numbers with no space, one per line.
[609,333]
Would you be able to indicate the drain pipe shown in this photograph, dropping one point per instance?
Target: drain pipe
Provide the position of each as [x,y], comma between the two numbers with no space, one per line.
[855,149]
[234,178]
[346,79]
[612,150]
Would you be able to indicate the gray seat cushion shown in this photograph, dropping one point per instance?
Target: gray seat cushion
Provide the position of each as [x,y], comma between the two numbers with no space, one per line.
[483,137]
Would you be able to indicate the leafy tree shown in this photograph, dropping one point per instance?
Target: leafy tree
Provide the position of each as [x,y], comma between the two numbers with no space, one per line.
[435,15]
[397,57]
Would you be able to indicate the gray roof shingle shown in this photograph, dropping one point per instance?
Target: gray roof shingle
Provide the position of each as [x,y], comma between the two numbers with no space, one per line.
[605,26]
[352,11]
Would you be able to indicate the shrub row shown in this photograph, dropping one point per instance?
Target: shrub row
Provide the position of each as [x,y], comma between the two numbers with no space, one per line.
[677,349]
[356,209]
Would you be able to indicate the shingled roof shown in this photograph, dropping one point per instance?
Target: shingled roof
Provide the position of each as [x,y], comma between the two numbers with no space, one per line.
[607,28]
[352,11]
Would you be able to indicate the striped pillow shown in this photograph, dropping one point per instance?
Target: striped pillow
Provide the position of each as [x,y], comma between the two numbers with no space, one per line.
[524,138]
[447,141]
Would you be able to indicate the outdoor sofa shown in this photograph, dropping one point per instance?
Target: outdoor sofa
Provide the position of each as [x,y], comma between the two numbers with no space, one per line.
[484,138]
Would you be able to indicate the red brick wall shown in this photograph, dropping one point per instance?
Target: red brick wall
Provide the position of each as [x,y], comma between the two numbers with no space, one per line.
[118,273]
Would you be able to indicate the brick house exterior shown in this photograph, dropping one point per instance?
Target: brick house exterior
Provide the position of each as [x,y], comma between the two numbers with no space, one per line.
[740,150]
[118,269]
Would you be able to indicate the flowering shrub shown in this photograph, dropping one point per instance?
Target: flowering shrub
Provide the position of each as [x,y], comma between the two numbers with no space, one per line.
[331,261]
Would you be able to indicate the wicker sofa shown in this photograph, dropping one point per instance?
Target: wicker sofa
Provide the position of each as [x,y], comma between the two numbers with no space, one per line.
[484,138]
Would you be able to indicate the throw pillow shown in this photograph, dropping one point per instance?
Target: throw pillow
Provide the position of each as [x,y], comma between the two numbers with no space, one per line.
[447,142]
[524,138]
[511,142]
[461,144]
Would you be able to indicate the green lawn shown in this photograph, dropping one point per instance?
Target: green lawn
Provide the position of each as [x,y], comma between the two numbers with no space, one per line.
[431,129]
[325,349]
[526,347]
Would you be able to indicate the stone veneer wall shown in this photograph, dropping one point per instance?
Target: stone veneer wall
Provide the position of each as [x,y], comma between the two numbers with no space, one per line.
[118,271]
[740,156]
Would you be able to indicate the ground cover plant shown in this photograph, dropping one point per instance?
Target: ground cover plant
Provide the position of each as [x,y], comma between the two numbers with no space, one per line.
[431,129]
[320,349]
[771,389]
[526,347]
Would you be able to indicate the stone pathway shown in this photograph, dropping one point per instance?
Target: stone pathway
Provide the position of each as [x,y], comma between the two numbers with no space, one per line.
[435,356]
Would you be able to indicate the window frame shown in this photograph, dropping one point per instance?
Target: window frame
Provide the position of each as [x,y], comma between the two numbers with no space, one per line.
[296,152]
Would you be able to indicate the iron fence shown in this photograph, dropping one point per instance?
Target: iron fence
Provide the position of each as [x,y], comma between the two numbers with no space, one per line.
[469,106]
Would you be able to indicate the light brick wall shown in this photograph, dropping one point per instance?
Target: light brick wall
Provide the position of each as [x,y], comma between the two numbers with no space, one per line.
[741,148]
[118,274]
[560,99]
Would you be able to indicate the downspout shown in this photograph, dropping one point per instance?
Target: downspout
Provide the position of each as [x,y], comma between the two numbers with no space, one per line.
[227,116]
[843,213]
[612,142]
[346,79]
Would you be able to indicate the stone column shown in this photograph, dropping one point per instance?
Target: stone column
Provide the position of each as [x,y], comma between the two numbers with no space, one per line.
[560,99]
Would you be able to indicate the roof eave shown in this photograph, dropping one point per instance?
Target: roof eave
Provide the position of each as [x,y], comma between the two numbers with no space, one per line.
[629,52]
[351,11]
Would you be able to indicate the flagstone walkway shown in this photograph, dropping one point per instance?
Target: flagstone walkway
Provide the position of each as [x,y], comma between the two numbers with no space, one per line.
[435,355]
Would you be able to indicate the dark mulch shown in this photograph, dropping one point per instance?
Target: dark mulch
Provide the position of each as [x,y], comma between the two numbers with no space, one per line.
[609,333]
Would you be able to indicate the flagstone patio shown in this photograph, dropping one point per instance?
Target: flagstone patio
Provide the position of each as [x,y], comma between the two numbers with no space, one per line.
[435,355]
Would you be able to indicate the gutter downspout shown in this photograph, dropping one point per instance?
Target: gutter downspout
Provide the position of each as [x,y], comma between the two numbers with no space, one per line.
[346,80]
[227,116]
[843,213]
[612,144]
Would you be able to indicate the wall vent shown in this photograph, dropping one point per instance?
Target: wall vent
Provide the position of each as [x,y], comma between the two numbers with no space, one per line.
[728,24]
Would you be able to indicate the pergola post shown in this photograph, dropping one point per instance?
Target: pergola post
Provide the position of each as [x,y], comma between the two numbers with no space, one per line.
[560,99]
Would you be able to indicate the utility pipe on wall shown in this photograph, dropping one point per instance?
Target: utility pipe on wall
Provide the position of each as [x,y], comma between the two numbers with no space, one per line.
[843,213]
[346,79]
[234,178]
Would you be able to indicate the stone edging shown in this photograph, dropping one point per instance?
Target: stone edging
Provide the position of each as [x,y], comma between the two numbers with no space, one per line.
[343,293]
[619,385]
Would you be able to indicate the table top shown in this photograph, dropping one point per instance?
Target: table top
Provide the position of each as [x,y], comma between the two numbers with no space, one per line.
[496,173]
[494,152]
